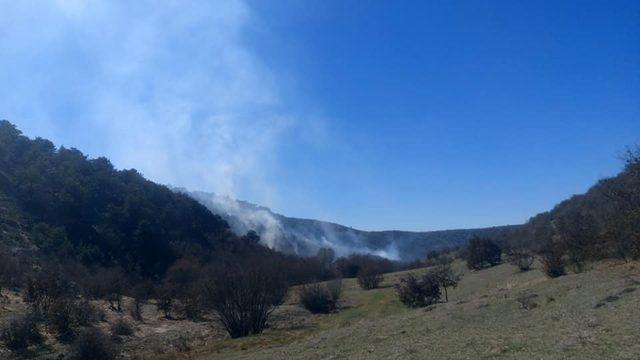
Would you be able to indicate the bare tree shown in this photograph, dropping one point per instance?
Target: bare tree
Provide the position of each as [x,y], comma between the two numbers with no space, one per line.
[244,292]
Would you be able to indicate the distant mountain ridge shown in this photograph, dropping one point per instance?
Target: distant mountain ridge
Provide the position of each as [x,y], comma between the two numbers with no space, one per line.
[306,236]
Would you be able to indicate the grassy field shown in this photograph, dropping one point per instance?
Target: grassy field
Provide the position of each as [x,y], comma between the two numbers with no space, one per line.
[592,315]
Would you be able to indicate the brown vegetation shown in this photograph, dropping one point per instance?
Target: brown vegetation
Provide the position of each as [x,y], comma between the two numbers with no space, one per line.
[420,291]
[369,278]
[320,298]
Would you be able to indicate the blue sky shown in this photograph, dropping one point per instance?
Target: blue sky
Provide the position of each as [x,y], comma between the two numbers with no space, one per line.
[415,115]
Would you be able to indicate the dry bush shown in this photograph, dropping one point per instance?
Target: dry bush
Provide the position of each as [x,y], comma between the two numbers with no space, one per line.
[553,263]
[92,344]
[87,314]
[45,287]
[527,302]
[112,284]
[369,278]
[121,327]
[12,270]
[192,306]
[418,292]
[181,344]
[522,258]
[60,319]
[20,332]
[141,294]
[319,298]
[482,253]
[164,302]
[244,291]
[65,316]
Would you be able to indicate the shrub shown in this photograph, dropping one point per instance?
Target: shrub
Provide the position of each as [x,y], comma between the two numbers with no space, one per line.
[45,287]
[369,278]
[482,253]
[121,327]
[12,270]
[244,292]
[320,299]
[164,302]
[136,309]
[93,344]
[87,314]
[112,285]
[181,344]
[60,319]
[445,276]
[521,258]
[140,293]
[552,263]
[192,304]
[418,292]
[65,316]
[20,332]
[527,302]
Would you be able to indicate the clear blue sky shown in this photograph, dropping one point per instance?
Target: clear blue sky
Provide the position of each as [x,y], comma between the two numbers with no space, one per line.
[413,115]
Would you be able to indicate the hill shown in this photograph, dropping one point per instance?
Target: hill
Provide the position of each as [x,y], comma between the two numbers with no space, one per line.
[61,203]
[602,223]
[67,206]
[307,236]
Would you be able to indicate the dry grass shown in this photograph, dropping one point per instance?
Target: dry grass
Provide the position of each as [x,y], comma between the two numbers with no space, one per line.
[592,315]
[483,319]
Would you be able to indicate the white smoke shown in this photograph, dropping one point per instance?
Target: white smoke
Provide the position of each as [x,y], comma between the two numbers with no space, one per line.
[170,88]
[303,237]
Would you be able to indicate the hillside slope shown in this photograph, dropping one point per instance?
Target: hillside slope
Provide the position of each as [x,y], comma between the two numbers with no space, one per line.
[77,208]
[306,236]
[591,315]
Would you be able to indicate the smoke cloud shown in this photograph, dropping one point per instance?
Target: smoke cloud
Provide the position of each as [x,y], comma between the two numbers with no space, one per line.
[299,236]
[169,89]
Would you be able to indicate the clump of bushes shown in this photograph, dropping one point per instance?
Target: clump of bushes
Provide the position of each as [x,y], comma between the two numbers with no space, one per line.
[350,266]
[66,316]
[91,343]
[320,298]
[60,319]
[21,332]
[369,278]
[482,253]
[421,291]
[522,259]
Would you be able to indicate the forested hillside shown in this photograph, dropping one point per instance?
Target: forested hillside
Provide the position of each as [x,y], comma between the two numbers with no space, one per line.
[65,204]
[602,223]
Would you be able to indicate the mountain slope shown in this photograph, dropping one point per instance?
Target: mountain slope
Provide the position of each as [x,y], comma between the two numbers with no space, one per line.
[306,236]
[84,209]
